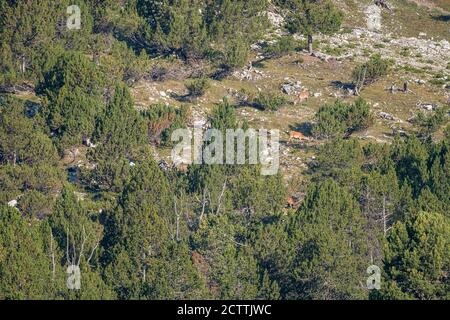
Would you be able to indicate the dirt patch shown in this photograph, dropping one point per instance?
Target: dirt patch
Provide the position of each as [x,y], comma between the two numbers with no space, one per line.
[442,4]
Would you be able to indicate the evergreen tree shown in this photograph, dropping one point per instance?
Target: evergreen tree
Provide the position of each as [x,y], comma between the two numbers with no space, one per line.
[77,235]
[339,119]
[14,126]
[310,17]
[229,265]
[139,238]
[176,25]
[25,267]
[417,259]
[174,275]
[411,163]
[120,131]
[120,128]
[26,30]
[332,257]
[275,249]
[72,91]
[341,160]
[379,198]
[269,290]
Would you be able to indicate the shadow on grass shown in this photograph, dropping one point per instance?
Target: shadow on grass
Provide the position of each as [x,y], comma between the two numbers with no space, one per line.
[442,17]
[305,128]
[343,85]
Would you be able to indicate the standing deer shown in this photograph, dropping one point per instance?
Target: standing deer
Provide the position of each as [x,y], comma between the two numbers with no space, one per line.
[295,135]
[291,202]
[301,97]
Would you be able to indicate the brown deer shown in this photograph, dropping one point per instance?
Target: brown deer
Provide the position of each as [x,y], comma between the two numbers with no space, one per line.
[291,202]
[301,97]
[295,135]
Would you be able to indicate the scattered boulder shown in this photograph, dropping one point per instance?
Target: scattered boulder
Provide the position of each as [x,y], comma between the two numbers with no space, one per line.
[322,56]
[427,106]
[13,203]
[17,88]
[420,81]
[163,165]
[388,116]
[88,143]
[249,73]
[275,19]
[373,14]
[292,88]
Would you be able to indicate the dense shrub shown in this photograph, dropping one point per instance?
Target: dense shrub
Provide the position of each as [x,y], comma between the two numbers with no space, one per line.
[370,71]
[269,101]
[235,54]
[281,47]
[340,118]
[197,87]
[162,120]
[429,124]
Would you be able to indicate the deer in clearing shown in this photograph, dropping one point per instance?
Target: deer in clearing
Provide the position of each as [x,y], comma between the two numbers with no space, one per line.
[301,97]
[295,135]
[291,202]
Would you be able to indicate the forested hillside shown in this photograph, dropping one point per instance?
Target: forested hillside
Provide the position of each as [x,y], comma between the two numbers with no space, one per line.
[87,183]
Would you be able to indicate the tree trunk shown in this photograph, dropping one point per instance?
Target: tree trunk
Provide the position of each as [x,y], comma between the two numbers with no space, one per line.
[384,216]
[178,229]
[52,256]
[23,66]
[310,44]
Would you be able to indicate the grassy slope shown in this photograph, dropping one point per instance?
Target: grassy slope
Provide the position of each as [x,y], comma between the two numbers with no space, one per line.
[408,20]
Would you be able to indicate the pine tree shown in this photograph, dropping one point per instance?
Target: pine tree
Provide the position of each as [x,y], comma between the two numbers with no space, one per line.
[310,17]
[332,256]
[269,290]
[411,163]
[230,266]
[341,160]
[417,258]
[235,54]
[177,25]
[173,275]
[138,232]
[75,236]
[72,93]
[120,128]
[25,268]
[26,29]
[379,198]
[119,132]
[14,126]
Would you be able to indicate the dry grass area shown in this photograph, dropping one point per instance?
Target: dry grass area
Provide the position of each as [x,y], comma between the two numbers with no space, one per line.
[318,77]
[321,79]
[442,4]
[408,19]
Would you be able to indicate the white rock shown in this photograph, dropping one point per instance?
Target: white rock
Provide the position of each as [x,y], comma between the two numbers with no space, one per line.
[12,203]
[373,14]
[275,19]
